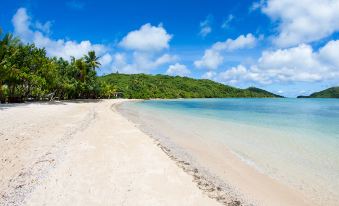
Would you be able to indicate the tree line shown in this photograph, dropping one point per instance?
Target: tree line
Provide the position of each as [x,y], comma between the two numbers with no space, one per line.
[145,86]
[27,73]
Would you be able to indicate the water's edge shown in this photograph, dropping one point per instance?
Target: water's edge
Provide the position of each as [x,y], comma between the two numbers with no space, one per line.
[213,186]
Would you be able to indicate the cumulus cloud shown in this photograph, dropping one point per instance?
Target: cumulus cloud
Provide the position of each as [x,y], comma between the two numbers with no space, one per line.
[147,38]
[296,64]
[145,48]
[105,60]
[330,53]
[302,21]
[46,27]
[178,69]
[209,75]
[213,58]
[205,26]
[23,28]
[140,62]
[242,41]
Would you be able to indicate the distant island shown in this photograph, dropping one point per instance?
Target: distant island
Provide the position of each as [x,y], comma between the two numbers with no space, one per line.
[332,92]
[144,86]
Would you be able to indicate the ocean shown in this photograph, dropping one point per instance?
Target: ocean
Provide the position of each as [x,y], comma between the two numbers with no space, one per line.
[294,142]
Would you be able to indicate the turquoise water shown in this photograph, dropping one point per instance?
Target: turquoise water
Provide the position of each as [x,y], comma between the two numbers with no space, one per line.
[295,141]
[304,115]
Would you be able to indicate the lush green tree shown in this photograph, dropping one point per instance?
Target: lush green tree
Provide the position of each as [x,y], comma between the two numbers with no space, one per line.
[8,48]
[92,60]
[28,74]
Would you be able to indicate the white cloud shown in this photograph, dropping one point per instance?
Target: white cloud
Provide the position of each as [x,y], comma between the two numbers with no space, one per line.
[21,22]
[46,27]
[140,62]
[302,21]
[148,38]
[296,64]
[146,45]
[205,26]
[61,48]
[234,75]
[213,58]
[209,75]
[330,53]
[105,60]
[241,42]
[178,69]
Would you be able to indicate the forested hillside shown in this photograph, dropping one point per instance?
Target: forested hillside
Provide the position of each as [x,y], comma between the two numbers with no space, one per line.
[332,92]
[163,86]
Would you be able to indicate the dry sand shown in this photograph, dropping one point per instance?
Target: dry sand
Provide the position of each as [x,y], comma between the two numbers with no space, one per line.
[85,153]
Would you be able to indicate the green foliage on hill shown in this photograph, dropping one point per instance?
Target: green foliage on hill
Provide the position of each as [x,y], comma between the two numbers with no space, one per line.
[332,92]
[263,92]
[142,86]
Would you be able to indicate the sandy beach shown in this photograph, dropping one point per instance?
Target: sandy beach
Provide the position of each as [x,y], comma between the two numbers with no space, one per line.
[86,153]
[217,163]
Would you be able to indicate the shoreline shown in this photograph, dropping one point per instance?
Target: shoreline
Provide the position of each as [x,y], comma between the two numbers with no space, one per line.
[269,191]
[211,185]
[86,154]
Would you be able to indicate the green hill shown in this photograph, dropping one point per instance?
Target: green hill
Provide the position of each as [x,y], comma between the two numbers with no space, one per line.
[261,91]
[332,92]
[162,86]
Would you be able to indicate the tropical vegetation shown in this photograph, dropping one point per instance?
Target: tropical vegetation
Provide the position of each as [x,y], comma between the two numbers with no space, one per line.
[28,74]
[332,92]
[145,86]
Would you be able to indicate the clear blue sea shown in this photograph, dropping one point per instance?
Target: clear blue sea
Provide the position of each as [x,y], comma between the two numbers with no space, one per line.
[295,141]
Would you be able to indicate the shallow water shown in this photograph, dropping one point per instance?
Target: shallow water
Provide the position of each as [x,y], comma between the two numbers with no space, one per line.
[295,141]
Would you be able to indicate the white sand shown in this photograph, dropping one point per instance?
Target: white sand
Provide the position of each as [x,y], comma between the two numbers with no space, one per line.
[85,153]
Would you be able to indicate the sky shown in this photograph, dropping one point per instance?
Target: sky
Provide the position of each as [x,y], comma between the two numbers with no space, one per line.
[284,46]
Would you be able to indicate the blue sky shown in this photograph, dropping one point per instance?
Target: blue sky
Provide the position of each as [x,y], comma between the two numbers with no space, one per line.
[285,46]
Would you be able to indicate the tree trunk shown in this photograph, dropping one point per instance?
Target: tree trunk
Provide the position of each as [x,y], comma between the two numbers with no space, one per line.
[11,96]
[2,97]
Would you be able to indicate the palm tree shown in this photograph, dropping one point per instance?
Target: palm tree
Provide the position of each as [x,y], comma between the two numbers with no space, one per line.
[82,67]
[8,48]
[92,60]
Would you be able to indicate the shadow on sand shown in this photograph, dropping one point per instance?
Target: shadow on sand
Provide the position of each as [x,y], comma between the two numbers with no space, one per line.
[56,102]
